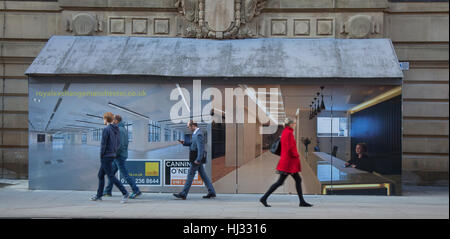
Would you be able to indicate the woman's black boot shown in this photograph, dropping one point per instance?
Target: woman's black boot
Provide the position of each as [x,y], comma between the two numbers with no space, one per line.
[305,204]
[263,200]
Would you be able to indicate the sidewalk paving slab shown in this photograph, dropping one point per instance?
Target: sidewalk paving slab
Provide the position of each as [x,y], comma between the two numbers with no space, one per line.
[16,201]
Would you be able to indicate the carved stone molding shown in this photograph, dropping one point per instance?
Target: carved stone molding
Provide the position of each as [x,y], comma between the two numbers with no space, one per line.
[360,26]
[84,24]
[218,19]
[302,27]
[324,27]
[161,26]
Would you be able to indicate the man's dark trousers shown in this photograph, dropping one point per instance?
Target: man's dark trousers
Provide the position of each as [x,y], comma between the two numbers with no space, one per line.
[119,164]
[106,169]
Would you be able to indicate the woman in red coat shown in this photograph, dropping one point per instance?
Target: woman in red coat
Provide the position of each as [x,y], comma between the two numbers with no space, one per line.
[289,164]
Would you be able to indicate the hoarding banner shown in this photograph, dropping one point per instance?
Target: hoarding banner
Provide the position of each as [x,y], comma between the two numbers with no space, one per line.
[145,172]
[176,172]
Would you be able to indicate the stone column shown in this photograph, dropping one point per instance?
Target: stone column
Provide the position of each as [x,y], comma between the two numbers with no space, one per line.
[48,138]
[230,145]
[77,138]
[90,139]
[140,135]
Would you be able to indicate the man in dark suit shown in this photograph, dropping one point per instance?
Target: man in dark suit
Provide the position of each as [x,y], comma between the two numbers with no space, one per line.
[196,157]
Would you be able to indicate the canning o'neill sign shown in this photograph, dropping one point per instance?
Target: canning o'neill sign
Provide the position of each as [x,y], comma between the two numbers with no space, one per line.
[176,172]
[145,172]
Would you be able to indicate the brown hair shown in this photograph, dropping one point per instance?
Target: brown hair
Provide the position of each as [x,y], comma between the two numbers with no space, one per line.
[192,123]
[118,118]
[108,116]
[363,147]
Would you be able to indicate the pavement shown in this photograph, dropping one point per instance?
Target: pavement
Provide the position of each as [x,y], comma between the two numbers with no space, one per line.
[16,201]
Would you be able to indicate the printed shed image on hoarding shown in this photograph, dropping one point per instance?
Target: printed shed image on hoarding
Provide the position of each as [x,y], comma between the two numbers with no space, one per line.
[238,159]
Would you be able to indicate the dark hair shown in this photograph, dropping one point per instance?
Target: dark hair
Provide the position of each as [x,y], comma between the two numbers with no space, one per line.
[118,118]
[192,123]
[363,147]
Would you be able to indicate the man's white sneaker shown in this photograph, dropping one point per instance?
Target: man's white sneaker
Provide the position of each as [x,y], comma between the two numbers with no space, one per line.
[125,198]
[95,198]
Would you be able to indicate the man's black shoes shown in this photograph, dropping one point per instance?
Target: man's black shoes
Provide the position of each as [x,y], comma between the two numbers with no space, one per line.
[210,195]
[177,195]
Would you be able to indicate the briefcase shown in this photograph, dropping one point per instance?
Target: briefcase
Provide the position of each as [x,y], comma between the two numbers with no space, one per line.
[193,156]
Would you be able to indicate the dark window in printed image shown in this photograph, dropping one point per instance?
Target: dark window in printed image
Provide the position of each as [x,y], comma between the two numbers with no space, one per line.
[40,138]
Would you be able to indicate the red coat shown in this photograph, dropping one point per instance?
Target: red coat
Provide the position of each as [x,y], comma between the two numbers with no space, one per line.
[289,158]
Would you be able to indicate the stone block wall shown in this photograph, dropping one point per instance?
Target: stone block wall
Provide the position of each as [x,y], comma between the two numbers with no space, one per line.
[418,30]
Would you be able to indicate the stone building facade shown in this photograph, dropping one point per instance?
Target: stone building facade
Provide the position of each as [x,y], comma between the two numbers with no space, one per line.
[418,30]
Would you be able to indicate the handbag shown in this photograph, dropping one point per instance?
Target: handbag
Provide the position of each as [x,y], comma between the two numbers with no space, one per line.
[275,148]
[193,156]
